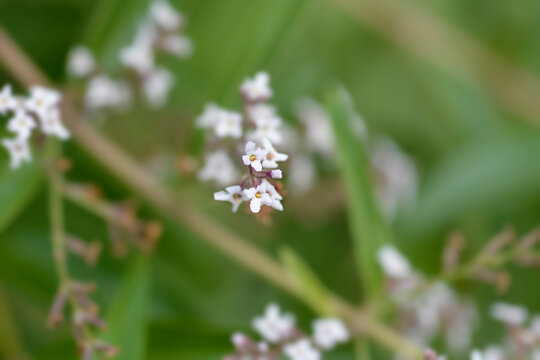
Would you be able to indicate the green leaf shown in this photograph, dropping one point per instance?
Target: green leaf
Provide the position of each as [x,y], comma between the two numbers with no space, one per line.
[367,226]
[313,291]
[17,189]
[128,316]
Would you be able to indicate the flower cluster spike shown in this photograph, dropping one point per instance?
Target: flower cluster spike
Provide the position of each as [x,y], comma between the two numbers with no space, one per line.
[38,110]
[160,31]
[257,130]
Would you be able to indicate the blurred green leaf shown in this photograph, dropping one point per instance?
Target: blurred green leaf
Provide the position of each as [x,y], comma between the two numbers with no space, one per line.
[128,315]
[488,175]
[17,189]
[313,291]
[368,229]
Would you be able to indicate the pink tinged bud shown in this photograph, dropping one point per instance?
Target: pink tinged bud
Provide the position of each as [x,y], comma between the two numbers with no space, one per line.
[239,340]
[276,174]
[430,355]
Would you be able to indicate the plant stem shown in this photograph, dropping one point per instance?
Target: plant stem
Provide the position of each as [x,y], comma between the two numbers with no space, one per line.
[175,207]
[57,228]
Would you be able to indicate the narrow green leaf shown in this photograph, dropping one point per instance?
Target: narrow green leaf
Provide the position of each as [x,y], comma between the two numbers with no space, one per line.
[128,315]
[17,189]
[368,228]
[313,291]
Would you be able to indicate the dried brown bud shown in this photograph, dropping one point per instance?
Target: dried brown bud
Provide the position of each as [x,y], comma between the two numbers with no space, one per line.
[452,251]
[55,314]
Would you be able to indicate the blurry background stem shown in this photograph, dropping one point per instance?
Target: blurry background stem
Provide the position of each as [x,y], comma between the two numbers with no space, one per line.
[11,347]
[169,204]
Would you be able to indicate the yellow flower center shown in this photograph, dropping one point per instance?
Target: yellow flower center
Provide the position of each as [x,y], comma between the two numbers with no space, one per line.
[4,101]
[39,102]
[236,197]
[258,195]
[252,158]
[270,156]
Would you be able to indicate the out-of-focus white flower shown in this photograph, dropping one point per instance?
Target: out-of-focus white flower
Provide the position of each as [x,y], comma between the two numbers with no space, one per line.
[302,350]
[319,134]
[396,177]
[81,62]
[42,100]
[267,123]
[165,16]
[7,100]
[301,173]
[233,194]
[210,116]
[476,355]
[460,325]
[219,168]
[104,92]
[138,56]
[179,45]
[19,151]
[258,88]
[157,85]
[52,125]
[493,352]
[535,324]
[393,263]
[229,123]
[535,354]
[276,196]
[259,196]
[253,156]
[272,156]
[21,124]
[329,332]
[509,314]
[273,325]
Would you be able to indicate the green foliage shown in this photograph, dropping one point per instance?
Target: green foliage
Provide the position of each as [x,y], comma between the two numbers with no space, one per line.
[368,229]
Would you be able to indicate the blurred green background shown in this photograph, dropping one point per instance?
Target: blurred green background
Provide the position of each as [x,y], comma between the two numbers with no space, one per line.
[479,164]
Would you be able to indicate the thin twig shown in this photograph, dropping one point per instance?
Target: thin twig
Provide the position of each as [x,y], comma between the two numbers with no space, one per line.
[173,206]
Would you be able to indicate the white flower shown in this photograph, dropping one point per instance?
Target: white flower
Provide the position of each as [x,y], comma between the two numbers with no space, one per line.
[233,194]
[276,197]
[535,324]
[267,123]
[397,180]
[258,88]
[19,151]
[219,168]
[509,314]
[52,125]
[103,92]
[318,129]
[138,56]
[81,62]
[229,123]
[42,100]
[210,116]
[327,333]
[276,174]
[272,156]
[393,263]
[165,16]
[273,325]
[178,45]
[7,101]
[21,124]
[259,196]
[253,156]
[493,352]
[157,86]
[476,355]
[302,350]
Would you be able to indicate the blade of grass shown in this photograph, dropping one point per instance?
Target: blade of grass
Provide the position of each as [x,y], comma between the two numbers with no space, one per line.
[313,291]
[17,189]
[368,229]
[128,315]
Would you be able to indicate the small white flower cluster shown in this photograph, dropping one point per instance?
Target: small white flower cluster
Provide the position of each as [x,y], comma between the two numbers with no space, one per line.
[435,310]
[25,113]
[281,337]
[394,172]
[161,30]
[259,129]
